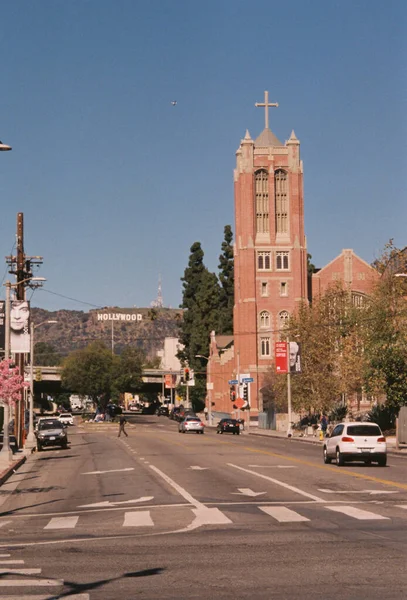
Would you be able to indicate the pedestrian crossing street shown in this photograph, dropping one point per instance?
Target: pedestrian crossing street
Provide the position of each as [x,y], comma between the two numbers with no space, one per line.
[171,518]
[16,579]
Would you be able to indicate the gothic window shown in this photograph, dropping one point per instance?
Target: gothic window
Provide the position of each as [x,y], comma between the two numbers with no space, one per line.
[282,261]
[262,201]
[265,346]
[358,300]
[264,288]
[281,200]
[264,319]
[264,261]
[283,319]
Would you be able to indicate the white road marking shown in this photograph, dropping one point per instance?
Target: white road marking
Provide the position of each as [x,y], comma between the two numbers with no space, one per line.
[281,483]
[30,583]
[3,523]
[370,492]
[21,571]
[11,562]
[357,513]
[283,514]
[196,468]
[62,523]
[402,506]
[140,518]
[247,492]
[274,466]
[178,488]
[108,503]
[47,597]
[111,471]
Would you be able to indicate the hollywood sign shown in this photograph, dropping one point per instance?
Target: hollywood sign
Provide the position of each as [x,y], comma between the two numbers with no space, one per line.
[120,317]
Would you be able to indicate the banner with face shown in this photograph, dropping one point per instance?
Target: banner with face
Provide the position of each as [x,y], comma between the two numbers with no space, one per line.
[19,327]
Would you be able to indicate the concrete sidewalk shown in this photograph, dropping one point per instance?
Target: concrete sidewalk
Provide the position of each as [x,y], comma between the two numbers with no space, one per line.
[19,459]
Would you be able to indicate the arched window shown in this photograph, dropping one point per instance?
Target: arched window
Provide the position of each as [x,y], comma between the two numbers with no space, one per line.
[262,201]
[264,319]
[281,200]
[283,319]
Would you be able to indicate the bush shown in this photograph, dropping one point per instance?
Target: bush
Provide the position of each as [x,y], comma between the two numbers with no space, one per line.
[338,414]
[384,416]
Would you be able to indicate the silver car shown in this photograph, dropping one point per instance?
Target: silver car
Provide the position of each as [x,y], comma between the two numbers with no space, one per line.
[191,424]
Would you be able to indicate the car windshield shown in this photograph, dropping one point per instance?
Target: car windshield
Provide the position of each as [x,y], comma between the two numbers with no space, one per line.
[51,424]
[193,420]
[67,415]
[230,421]
[367,430]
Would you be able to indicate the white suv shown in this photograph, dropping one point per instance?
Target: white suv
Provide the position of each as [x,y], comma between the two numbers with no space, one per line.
[356,441]
[66,418]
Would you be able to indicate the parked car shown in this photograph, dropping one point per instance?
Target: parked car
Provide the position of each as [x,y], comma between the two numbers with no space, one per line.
[162,411]
[356,442]
[191,424]
[133,407]
[184,413]
[66,418]
[51,432]
[174,412]
[228,426]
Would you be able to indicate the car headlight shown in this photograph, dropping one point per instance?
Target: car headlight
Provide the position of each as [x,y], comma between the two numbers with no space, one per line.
[41,435]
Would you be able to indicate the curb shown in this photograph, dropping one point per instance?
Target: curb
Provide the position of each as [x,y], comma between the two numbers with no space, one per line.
[11,469]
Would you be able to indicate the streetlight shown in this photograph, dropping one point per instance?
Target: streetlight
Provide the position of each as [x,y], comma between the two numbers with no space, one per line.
[30,440]
[6,452]
[209,389]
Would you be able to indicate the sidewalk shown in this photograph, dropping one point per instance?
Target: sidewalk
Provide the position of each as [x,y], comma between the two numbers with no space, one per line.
[19,459]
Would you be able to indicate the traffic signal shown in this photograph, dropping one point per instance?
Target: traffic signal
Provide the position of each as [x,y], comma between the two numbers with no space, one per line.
[232,393]
[246,393]
[186,374]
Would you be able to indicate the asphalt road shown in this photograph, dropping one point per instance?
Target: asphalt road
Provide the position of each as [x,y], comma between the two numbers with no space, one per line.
[162,515]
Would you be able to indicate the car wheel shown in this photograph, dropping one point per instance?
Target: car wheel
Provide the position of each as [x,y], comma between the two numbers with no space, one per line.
[368,462]
[221,431]
[339,458]
[39,447]
[382,461]
[201,432]
[327,459]
[237,432]
[64,445]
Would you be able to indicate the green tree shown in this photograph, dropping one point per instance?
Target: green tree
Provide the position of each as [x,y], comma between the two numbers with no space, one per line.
[227,281]
[88,372]
[45,355]
[127,370]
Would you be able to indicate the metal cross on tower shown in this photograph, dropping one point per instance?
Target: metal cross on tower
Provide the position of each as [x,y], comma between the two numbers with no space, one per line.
[266,105]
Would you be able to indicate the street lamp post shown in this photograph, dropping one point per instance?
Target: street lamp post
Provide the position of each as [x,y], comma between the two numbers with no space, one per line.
[207,388]
[30,440]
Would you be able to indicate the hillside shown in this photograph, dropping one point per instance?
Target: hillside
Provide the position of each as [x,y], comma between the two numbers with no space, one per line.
[144,328]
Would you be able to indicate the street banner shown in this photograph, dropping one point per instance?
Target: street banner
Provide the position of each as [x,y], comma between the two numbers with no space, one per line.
[2,327]
[281,355]
[170,381]
[20,327]
[295,358]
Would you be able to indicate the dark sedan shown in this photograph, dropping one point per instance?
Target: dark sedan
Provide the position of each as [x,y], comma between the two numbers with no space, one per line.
[51,432]
[228,426]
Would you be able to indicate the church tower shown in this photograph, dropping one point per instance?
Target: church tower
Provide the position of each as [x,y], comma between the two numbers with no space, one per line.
[270,249]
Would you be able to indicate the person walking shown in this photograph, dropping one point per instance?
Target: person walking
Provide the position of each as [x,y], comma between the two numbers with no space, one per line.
[122,422]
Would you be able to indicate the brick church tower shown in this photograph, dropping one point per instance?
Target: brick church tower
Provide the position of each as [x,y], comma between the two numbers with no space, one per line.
[270,249]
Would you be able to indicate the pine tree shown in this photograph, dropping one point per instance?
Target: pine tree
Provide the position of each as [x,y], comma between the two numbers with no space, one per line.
[227,280]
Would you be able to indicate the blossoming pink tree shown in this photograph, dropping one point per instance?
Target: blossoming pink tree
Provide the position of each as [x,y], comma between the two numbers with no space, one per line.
[11,384]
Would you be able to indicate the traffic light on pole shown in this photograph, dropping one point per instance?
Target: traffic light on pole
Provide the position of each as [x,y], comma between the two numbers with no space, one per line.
[232,393]
[186,374]
[245,392]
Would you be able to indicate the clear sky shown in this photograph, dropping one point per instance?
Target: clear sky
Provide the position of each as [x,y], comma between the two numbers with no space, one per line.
[116,184]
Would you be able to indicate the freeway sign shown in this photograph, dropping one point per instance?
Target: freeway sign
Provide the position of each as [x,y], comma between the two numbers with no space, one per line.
[247,379]
[233,382]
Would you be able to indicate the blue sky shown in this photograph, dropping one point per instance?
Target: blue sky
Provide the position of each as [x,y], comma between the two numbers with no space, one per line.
[116,184]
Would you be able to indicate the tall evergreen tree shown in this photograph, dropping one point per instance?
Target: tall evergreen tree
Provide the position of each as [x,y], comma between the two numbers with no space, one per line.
[227,280]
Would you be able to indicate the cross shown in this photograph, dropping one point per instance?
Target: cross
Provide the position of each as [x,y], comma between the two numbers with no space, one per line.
[266,105]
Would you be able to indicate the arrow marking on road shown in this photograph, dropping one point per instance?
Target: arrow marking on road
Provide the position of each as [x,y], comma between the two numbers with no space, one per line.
[109,503]
[196,468]
[370,492]
[247,492]
[111,471]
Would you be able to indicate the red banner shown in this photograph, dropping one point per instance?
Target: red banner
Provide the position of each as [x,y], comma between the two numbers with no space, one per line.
[170,381]
[281,357]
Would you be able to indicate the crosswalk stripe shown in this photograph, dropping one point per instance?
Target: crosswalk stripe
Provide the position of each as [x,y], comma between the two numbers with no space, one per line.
[140,518]
[62,523]
[357,513]
[11,562]
[283,514]
[402,506]
[21,571]
[4,555]
[31,583]
[47,597]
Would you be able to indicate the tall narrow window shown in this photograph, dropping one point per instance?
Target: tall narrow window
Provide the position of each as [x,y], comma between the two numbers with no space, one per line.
[262,201]
[263,261]
[264,288]
[283,288]
[283,319]
[282,261]
[265,346]
[264,319]
[281,199]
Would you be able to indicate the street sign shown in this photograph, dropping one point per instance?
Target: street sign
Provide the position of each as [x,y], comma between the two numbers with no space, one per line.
[247,379]
[233,382]
[239,402]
